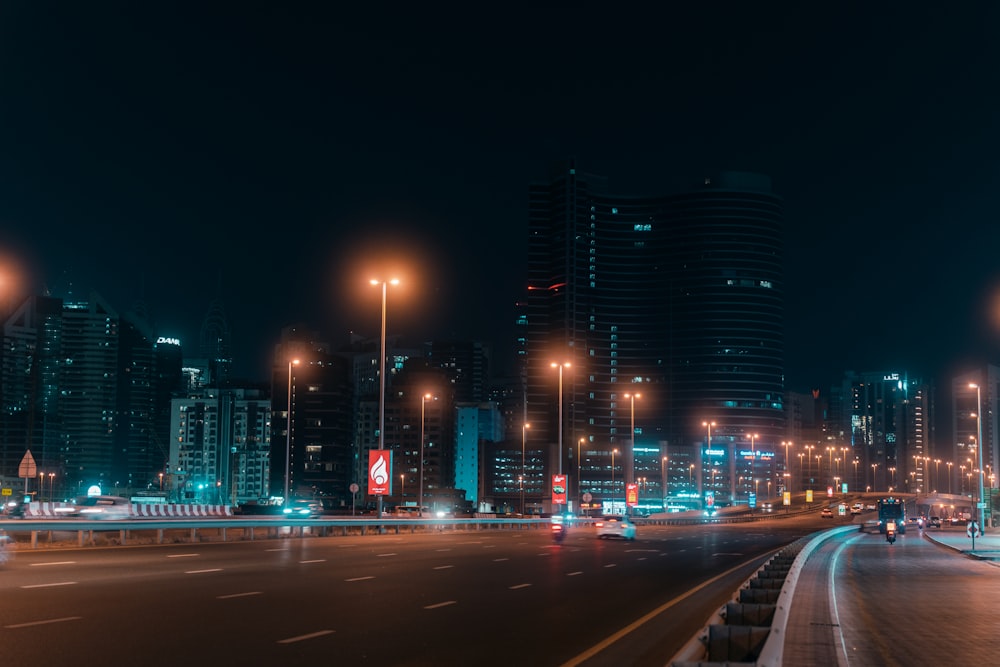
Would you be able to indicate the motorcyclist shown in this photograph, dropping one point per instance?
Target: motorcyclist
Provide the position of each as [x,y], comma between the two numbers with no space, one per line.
[890,532]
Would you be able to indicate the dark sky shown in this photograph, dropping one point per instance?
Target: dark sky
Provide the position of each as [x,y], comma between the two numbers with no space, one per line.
[279,152]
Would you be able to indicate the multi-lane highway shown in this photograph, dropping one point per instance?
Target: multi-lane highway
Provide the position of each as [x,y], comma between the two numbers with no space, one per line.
[439,598]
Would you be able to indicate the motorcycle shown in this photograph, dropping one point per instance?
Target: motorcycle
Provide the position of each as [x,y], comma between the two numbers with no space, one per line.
[890,532]
[558,532]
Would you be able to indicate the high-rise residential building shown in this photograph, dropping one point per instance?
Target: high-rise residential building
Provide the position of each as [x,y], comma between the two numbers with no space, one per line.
[891,417]
[220,447]
[597,330]
[82,390]
[312,395]
[724,262]
[669,311]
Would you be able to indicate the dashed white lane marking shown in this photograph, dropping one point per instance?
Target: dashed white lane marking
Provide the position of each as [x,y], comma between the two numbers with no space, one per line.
[211,569]
[359,578]
[182,555]
[55,562]
[499,560]
[311,635]
[238,595]
[573,574]
[516,586]
[45,622]
[384,555]
[57,583]
[316,560]
[441,604]
[611,565]
[444,567]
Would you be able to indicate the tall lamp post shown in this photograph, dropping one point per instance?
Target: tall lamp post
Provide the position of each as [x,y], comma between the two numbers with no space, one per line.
[663,481]
[979,454]
[613,452]
[420,493]
[701,459]
[288,431]
[565,364]
[630,472]
[524,440]
[579,446]
[381,378]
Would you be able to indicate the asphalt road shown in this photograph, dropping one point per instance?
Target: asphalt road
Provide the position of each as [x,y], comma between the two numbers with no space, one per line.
[488,598]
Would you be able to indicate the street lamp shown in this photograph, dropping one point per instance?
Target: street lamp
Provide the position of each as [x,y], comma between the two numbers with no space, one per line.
[613,452]
[52,481]
[381,377]
[579,445]
[565,364]
[520,480]
[874,488]
[979,454]
[787,444]
[402,489]
[420,494]
[288,431]
[949,464]
[663,480]
[632,397]
[708,445]
[524,439]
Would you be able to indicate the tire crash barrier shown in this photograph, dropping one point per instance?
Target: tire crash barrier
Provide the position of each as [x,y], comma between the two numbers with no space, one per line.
[735,636]
[750,630]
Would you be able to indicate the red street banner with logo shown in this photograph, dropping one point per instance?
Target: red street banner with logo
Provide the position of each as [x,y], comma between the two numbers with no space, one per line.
[379,472]
[558,489]
[632,495]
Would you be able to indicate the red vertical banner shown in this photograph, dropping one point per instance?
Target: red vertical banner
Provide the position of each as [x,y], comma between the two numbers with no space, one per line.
[558,489]
[379,472]
[632,495]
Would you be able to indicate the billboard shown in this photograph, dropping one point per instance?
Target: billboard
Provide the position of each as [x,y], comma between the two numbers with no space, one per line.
[379,472]
[558,489]
[632,495]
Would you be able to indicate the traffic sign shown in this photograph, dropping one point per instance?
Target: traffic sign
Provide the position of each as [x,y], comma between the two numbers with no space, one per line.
[972,530]
[27,469]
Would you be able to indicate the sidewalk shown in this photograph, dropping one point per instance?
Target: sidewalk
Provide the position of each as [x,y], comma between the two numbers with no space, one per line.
[987,546]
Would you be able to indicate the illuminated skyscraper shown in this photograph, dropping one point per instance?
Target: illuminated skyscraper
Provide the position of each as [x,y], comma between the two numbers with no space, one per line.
[678,298]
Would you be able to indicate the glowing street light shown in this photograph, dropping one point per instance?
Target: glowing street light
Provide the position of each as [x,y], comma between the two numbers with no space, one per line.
[288,431]
[524,440]
[708,445]
[631,469]
[381,376]
[979,454]
[402,488]
[560,367]
[613,452]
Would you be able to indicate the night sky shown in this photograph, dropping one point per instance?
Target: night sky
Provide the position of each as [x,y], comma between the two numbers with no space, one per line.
[278,154]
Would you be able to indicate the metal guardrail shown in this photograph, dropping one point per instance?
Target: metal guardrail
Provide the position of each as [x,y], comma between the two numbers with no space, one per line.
[256,527]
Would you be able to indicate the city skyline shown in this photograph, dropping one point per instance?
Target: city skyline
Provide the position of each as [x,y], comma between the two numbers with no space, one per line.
[168,157]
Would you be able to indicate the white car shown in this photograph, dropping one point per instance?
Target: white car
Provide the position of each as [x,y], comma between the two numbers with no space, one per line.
[101,507]
[615,525]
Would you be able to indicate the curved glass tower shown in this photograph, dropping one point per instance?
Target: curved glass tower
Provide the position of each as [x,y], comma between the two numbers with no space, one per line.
[727,310]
